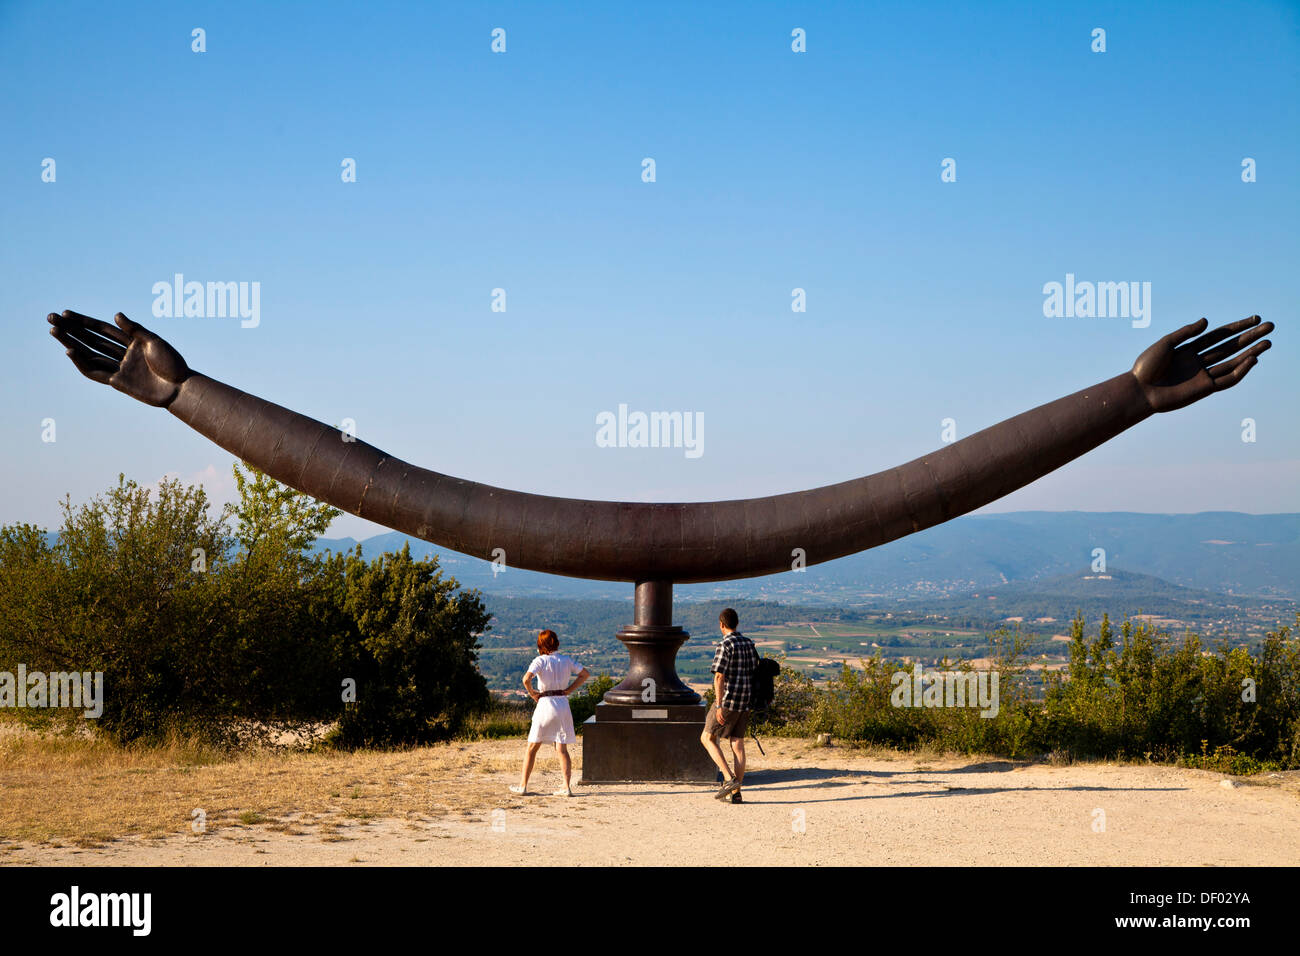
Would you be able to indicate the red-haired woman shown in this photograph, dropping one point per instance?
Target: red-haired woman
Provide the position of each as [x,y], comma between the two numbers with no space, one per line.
[552,719]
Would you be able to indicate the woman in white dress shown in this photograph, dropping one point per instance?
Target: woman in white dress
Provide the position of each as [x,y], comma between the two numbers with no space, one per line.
[557,677]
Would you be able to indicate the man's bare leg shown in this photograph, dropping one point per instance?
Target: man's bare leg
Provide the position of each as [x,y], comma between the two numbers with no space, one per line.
[738,752]
[711,745]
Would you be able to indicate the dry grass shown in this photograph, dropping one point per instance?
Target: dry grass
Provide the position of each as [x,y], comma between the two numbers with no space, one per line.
[59,795]
[80,791]
[85,792]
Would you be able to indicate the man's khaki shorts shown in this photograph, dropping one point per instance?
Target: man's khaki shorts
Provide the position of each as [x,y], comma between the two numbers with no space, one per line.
[726,723]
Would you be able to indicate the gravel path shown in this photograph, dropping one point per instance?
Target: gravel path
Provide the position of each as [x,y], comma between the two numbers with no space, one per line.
[804,806]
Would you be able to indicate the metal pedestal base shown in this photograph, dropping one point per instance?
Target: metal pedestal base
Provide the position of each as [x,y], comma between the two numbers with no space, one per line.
[646,743]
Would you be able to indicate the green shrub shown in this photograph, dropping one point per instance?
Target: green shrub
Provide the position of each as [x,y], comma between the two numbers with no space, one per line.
[583,703]
[231,634]
[1148,694]
[411,649]
[1129,693]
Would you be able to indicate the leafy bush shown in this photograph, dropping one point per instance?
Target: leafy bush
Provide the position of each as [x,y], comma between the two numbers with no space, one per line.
[228,633]
[1148,694]
[583,703]
[411,651]
[117,592]
[1133,694]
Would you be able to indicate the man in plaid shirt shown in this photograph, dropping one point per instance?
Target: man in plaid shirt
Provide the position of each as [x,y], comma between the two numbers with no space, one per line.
[733,698]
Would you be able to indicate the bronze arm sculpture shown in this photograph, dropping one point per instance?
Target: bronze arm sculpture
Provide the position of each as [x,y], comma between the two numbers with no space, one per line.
[654,545]
[651,542]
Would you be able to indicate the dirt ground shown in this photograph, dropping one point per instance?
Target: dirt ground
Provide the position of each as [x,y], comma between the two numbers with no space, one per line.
[804,805]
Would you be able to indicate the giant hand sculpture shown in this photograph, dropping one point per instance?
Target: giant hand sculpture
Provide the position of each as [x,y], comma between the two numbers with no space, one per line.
[654,545]
[706,541]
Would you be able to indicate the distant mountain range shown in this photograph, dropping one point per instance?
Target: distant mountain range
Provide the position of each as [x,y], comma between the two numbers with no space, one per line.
[1224,552]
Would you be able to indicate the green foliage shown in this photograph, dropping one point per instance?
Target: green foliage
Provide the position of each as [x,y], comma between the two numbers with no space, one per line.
[583,703]
[273,522]
[503,718]
[1225,759]
[860,705]
[1132,694]
[412,653]
[1150,694]
[203,631]
[115,592]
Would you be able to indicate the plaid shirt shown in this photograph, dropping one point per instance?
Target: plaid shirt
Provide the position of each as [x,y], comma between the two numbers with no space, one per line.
[736,660]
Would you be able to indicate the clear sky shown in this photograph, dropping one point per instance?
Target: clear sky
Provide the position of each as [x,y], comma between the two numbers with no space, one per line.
[774,170]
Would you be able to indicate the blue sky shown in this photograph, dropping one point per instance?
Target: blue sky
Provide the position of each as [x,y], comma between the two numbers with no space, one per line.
[774,170]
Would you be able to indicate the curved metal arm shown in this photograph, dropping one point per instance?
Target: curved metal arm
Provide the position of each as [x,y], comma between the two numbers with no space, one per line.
[615,541]
[620,541]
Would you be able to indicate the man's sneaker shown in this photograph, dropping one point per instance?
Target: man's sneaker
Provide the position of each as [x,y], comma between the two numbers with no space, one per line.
[727,789]
[734,797]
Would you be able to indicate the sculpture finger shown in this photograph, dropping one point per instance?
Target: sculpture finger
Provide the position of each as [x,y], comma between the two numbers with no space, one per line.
[93,366]
[1215,336]
[73,344]
[109,332]
[129,327]
[88,343]
[101,343]
[1236,375]
[1179,336]
[1223,368]
[82,328]
[1235,344]
[68,320]
[73,319]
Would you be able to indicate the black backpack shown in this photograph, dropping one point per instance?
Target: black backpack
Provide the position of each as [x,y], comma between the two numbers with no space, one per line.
[765,683]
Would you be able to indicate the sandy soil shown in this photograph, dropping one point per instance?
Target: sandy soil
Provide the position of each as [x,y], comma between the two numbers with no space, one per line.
[804,805]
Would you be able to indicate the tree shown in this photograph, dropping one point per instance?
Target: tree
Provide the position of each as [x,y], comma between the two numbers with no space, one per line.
[285,626]
[413,654]
[273,516]
[125,590]
[231,635]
